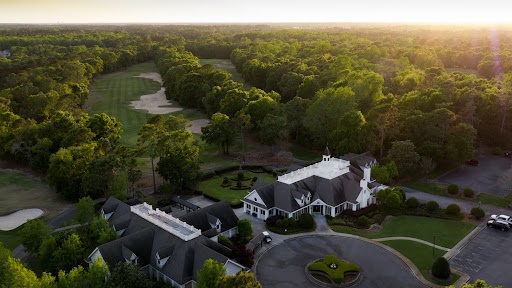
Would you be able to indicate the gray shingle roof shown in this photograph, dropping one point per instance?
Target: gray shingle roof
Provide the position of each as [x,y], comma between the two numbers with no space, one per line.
[202,218]
[145,239]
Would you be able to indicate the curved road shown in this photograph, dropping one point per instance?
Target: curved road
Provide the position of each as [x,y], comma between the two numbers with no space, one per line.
[283,265]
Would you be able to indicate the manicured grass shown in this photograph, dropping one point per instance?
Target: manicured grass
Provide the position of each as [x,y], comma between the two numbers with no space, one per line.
[211,155]
[437,188]
[212,186]
[421,255]
[464,71]
[117,91]
[448,232]
[303,153]
[491,199]
[226,65]
[21,191]
[337,275]
[10,239]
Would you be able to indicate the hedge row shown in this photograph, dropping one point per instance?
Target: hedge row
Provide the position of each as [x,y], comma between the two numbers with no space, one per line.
[234,206]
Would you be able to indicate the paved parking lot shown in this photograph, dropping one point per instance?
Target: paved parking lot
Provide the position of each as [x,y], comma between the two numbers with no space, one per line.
[492,175]
[488,257]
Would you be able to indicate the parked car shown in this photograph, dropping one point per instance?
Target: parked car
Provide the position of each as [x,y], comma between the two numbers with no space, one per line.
[472,162]
[267,238]
[505,218]
[503,226]
[508,154]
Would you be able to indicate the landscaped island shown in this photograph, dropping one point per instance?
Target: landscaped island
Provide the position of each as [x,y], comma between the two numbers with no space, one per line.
[334,269]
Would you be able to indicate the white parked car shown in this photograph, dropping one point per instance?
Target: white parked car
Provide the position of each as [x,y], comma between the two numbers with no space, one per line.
[267,238]
[504,218]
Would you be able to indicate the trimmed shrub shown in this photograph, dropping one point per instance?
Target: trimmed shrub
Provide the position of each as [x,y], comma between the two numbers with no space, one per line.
[226,169]
[393,201]
[292,222]
[225,241]
[478,212]
[239,184]
[279,223]
[306,221]
[453,209]
[240,175]
[273,219]
[267,169]
[468,192]
[286,223]
[453,189]
[254,179]
[431,206]
[401,192]
[244,228]
[412,203]
[363,221]
[226,181]
[441,268]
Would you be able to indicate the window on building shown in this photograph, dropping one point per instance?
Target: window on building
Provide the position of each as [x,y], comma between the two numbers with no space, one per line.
[256,209]
[262,212]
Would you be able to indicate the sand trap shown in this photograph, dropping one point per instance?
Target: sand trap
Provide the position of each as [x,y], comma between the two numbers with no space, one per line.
[197,124]
[18,218]
[153,102]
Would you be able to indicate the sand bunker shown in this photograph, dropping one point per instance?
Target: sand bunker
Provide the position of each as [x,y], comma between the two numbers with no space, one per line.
[18,218]
[197,124]
[153,102]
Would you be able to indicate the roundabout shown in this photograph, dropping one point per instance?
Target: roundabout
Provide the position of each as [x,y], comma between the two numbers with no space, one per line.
[283,265]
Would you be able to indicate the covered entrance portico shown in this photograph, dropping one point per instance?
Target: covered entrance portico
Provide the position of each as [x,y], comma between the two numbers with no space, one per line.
[318,209]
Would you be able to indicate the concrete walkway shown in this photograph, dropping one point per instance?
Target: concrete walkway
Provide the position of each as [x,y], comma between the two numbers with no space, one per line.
[412,239]
[324,229]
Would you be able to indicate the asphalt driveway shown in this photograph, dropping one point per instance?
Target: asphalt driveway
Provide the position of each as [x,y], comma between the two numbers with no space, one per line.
[488,257]
[492,175]
[283,265]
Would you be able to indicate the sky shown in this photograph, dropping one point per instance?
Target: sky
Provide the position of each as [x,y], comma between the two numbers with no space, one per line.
[239,11]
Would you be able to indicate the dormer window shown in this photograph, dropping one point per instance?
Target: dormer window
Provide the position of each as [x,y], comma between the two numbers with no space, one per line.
[255,199]
[160,262]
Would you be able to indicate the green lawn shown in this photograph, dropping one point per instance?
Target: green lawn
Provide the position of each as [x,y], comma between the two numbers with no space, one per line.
[10,239]
[303,153]
[448,232]
[226,65]
[212,186]
[464,71]
[22,191]
[438,188]
[421,255]
[117,91]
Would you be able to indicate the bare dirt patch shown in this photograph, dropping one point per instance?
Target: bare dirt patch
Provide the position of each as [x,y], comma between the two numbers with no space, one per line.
[153,102]
[18,218]
[197,124]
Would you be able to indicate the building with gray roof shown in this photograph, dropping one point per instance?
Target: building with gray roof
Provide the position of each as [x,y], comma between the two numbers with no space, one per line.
[166,248]
[328,187]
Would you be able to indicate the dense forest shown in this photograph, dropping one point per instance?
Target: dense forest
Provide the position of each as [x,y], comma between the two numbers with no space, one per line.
[417,96]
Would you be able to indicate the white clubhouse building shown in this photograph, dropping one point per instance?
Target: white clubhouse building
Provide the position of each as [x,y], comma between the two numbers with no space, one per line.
[328,187]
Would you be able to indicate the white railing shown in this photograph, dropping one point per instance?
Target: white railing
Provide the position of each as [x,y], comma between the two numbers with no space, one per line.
[153,217]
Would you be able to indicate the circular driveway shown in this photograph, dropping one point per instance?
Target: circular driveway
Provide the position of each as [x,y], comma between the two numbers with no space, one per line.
[283,265]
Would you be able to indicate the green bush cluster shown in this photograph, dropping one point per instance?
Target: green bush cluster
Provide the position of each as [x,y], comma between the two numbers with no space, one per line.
[432,206]
[478,212]
[337,275]
[363,221]
[453,209]
[468,192]
[453,189]
[412,203]
[441,268]
[225,241]
[306,221]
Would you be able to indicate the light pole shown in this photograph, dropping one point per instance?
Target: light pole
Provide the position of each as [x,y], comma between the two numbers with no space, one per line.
[434,247]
